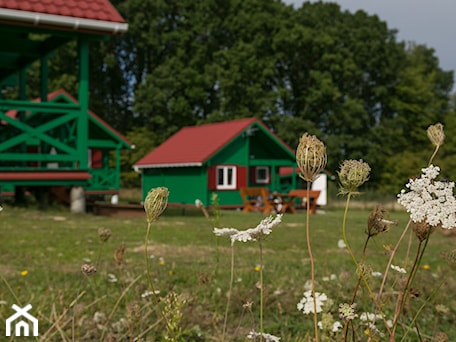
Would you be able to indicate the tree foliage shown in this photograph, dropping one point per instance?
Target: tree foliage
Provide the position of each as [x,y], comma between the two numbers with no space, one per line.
[342,76]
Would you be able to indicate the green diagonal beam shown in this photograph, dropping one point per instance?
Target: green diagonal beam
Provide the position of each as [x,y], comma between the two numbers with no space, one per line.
[37,132]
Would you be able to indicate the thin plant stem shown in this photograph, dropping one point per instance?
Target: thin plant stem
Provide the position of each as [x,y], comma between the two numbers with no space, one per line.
[229,294]
[436,290]
[358,268]
[312,266]
[401,299]
[151,283]
[358,283]
[411,278]
[261,290]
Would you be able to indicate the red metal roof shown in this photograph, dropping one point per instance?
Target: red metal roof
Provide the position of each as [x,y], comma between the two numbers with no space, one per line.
[195,145]
[43,175]
[54,94]
[54,12]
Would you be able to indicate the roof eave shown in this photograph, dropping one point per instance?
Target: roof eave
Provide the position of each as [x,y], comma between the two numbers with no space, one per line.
[165,165]
[65,22]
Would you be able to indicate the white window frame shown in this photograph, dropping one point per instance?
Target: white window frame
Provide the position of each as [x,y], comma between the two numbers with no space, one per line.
[224,184]
[259,180]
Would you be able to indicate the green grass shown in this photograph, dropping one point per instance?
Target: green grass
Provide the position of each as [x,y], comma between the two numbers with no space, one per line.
[187,259]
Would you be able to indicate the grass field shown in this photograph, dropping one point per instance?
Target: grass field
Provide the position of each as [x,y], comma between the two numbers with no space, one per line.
[42,253]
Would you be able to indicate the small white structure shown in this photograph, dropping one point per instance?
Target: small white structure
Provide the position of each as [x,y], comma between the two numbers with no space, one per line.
[22,325]
[321,183]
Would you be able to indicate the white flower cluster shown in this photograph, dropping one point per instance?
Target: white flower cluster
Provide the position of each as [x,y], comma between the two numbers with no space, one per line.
[430,200]
[306,304]
[253,335]
[335,328]
[398,269]
[251,234]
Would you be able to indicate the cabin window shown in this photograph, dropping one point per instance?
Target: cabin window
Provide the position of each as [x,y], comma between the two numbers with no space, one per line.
[262,175]
[226,177]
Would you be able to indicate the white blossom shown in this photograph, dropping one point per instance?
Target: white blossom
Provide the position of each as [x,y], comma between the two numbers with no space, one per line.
[306,304]
[253,335]
[398,269]
[251,234]
[430,200]
[335,328]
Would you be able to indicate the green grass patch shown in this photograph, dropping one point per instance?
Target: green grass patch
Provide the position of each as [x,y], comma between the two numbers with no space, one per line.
[42,253]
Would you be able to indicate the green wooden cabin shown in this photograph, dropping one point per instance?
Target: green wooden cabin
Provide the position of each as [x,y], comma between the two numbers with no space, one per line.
[55,140]
[217,158]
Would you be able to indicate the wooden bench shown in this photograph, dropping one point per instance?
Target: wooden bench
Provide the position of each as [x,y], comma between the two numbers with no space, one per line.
[256,199]
[302,195]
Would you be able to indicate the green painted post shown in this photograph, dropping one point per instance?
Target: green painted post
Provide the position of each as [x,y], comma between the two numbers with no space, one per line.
[83,99]
[118,168]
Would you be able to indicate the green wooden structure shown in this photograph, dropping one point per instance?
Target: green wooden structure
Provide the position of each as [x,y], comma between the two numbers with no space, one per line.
[218,158]
[50,141]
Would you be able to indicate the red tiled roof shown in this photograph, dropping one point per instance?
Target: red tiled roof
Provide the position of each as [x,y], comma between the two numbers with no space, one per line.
[195,145]
[54,12]
[54,94]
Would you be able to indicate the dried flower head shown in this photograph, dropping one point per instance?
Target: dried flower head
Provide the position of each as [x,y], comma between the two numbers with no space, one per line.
[364,271]
[88,270]
[119,254]
[436,135]
[422,229]
[378,222]
[155,203]
[353,174]
[104,234]
[310,157]
[441,337]
[450,257]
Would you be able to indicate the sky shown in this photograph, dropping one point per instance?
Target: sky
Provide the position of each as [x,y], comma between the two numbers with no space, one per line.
[425,22]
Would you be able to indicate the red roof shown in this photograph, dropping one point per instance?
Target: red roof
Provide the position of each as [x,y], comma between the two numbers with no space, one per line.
[195,145]
[61,14]
[54,94]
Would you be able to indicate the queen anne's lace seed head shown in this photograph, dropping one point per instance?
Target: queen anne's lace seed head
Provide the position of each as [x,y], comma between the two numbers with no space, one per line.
[436,135]
[311,157]
[353,174]
[155,203]
[430,200]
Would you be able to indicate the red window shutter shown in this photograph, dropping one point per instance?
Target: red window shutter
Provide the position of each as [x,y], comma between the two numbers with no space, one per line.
[252,176]
[97,159]
[211,178]
[241,176]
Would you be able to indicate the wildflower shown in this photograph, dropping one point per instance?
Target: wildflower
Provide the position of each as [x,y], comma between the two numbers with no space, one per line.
[441,337]
[104,234]
[426,267]
[442,309]
[430,200]
[225,231]
[353,174]
[161,261]
[88,270]
[155,203]
[252,234]
[253,335]
[341,244]
[377,274]
[364,271]
[398,269]
[334,326]
[24,273]
[422,230]
[198,203]
[306,304]
[257,268]
[310,157]
[436,135]
[112,278]
[119,254]
[368,316]
[347,311]
[1,208]
[148,293]
[378,222]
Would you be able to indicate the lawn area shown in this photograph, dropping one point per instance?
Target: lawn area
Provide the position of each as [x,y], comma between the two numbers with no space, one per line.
[42,253]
